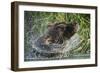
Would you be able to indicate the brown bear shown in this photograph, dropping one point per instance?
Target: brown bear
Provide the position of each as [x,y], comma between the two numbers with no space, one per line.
[52,42]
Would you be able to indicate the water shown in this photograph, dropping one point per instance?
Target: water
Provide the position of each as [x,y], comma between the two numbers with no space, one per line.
[54,51]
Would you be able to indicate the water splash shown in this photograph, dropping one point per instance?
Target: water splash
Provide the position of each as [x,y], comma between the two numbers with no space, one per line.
[60,49]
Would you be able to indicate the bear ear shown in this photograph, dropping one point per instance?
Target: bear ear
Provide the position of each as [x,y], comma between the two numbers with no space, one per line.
[50,25]
[62,25]
[76,24]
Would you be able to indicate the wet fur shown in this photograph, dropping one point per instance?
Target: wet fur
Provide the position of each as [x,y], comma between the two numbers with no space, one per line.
[57,33]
